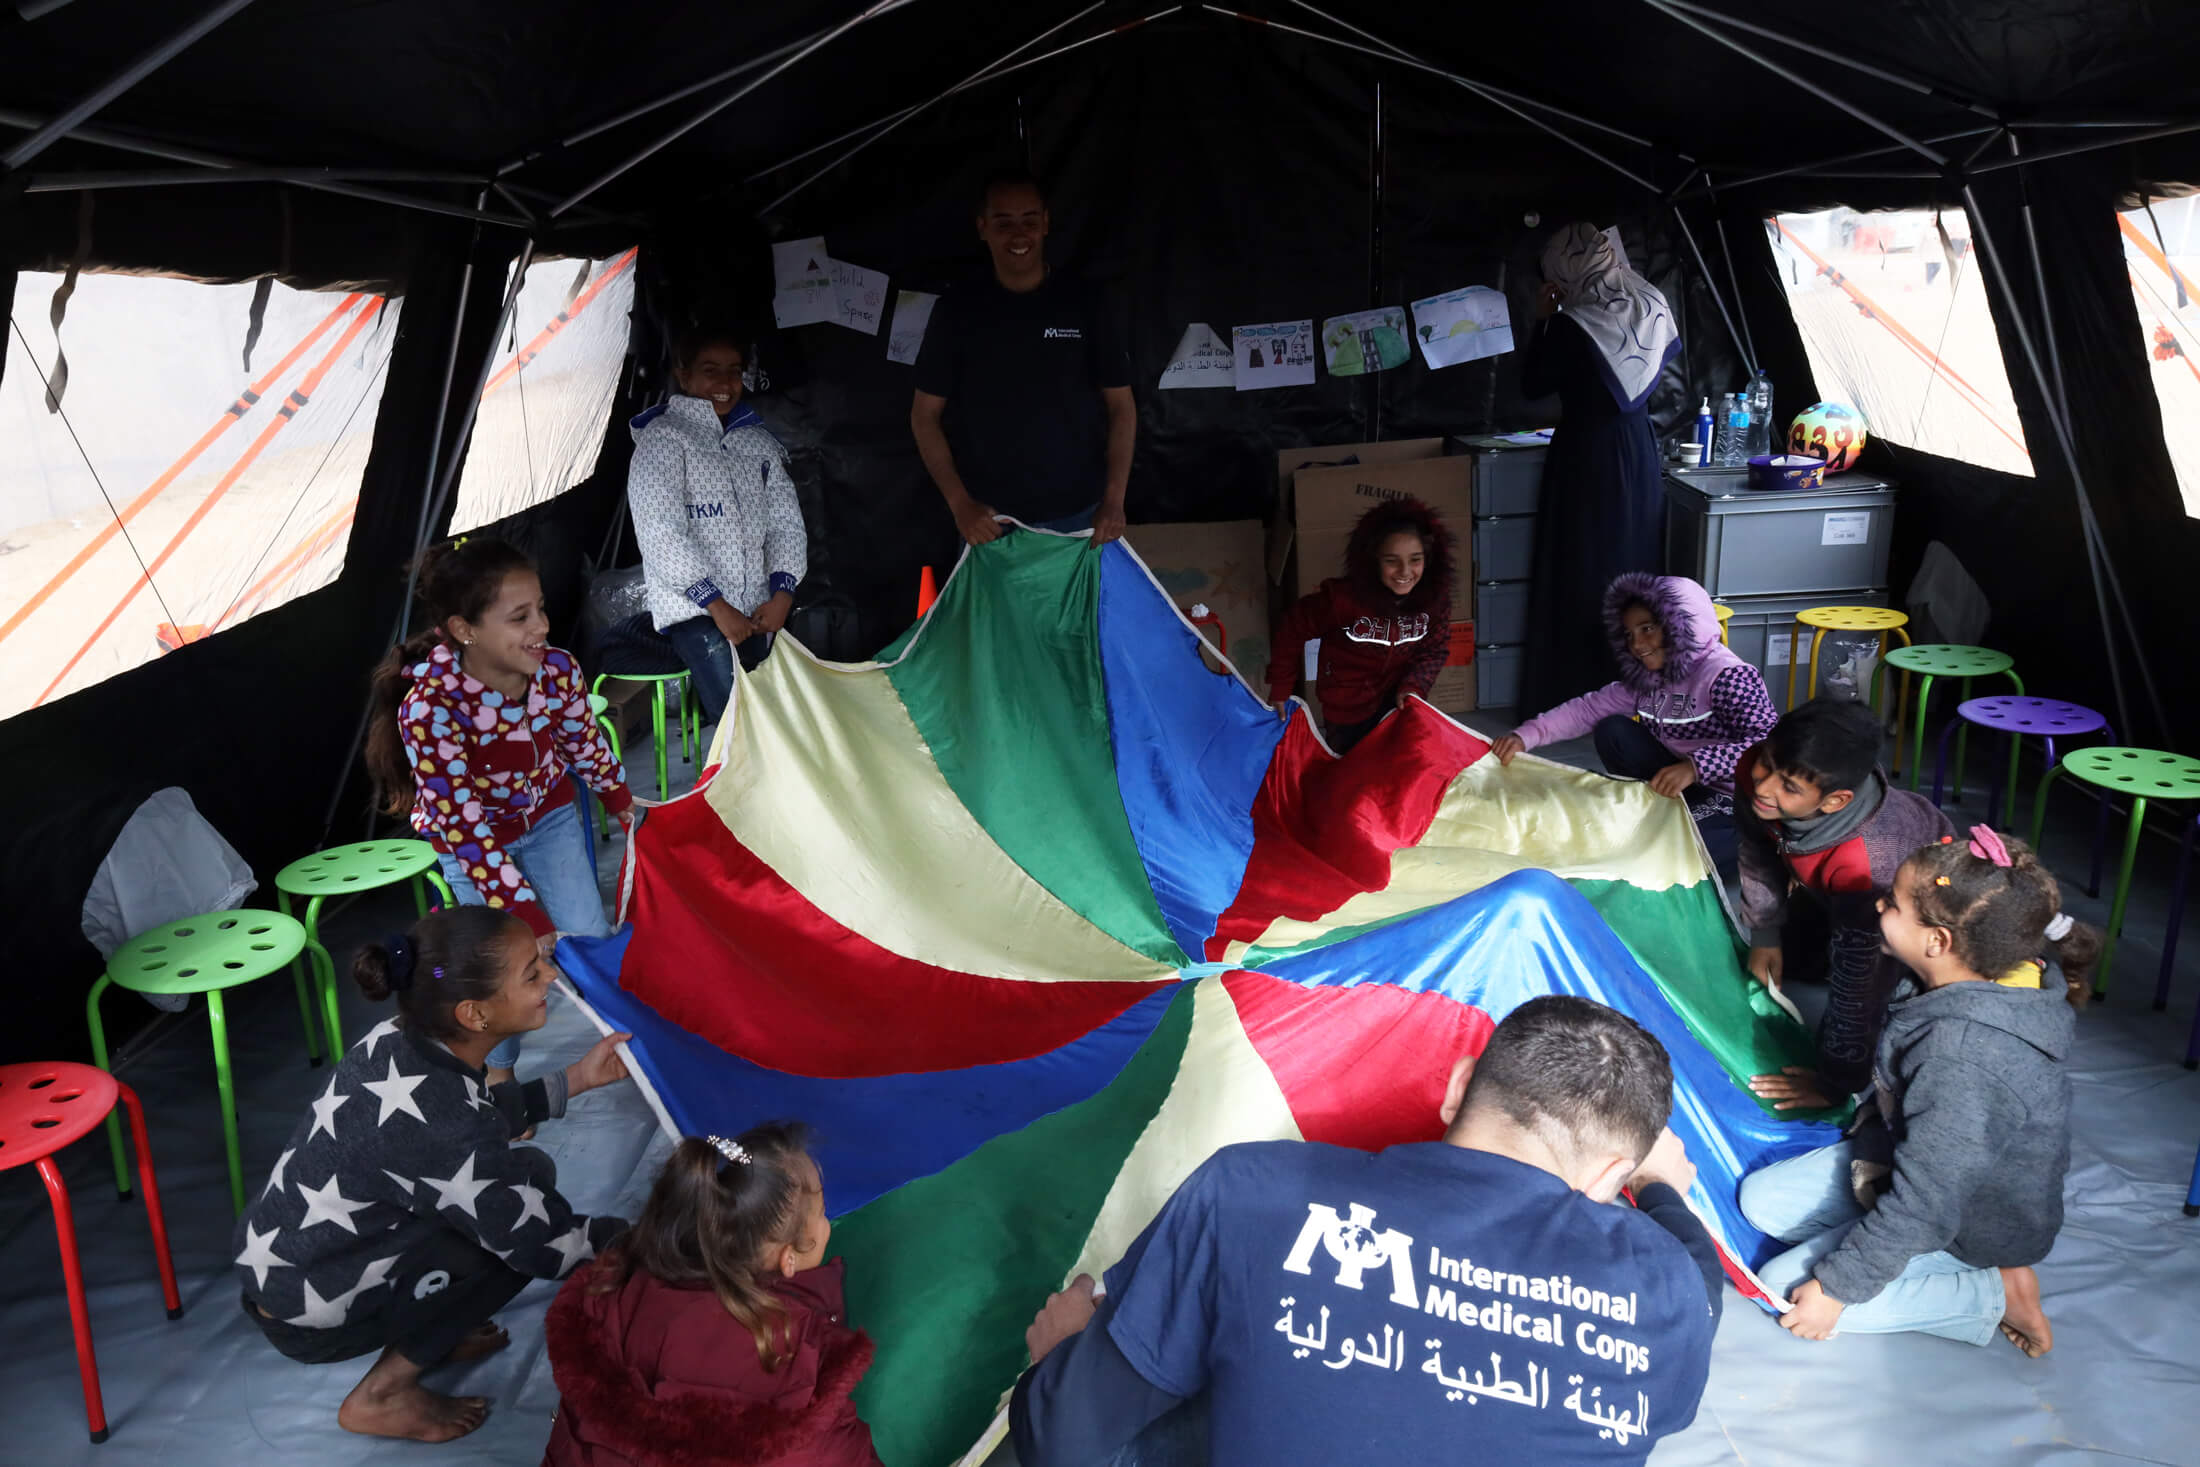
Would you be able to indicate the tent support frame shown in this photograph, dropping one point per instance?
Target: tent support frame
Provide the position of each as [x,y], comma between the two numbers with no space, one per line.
[667,139]
[1000,66]
[1711,283]
[1385,51]
[82,110]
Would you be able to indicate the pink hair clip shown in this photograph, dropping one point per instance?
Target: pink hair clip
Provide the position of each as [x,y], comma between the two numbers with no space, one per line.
[1987,846]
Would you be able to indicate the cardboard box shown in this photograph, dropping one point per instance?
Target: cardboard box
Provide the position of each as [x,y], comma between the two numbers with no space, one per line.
[1322,456]
[1217,565]
[1329,502]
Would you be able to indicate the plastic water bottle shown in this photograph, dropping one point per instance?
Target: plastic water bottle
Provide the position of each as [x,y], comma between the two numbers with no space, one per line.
[1733,439]
[1760,418]
[1706,433]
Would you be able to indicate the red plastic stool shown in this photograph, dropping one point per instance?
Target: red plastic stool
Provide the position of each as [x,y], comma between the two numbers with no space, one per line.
[42,1109]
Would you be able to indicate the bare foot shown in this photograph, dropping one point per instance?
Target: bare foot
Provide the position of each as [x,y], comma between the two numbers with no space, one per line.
[2024,1322]
[484,1339]
[390,1401]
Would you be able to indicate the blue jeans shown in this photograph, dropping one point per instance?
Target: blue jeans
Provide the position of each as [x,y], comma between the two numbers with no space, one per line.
[558,858]
[709,658]
[1807,1201]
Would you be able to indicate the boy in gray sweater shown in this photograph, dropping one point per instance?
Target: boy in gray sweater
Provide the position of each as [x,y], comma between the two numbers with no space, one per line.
[1930,1215]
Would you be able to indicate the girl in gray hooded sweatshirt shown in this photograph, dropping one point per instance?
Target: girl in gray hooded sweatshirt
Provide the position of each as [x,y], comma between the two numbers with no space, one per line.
[1930,1215]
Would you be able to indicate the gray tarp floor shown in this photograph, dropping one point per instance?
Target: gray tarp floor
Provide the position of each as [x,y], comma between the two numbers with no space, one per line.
[2122,1285]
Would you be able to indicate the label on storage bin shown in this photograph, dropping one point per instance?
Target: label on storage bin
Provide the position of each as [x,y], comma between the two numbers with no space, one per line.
[1777,642]
[1849,527]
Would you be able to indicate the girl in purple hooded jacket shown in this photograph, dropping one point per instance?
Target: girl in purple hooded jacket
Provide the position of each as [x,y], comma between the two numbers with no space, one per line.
[1683,711]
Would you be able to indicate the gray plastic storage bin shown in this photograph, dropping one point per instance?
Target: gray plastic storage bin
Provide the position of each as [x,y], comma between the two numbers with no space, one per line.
[1497,677]
[1760,629]
[1501,611]
[1506,480]
[1743,542]
[1504,548]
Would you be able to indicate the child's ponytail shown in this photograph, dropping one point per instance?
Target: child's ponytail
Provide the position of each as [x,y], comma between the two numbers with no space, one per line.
[717,1211]
[460,580]
[2002,907]
[445,958]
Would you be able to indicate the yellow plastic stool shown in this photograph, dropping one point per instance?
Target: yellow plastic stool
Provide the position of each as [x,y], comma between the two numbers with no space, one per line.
[1725,615]
[1881,619]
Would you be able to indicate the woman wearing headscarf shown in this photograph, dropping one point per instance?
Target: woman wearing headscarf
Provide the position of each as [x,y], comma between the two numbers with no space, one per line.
[1604,336]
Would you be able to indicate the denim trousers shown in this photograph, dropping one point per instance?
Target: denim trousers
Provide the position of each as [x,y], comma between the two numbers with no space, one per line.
[1807,1201]
[709,658]
[558,858]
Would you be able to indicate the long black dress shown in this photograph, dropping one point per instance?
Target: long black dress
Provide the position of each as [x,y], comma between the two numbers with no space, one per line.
[1602,512]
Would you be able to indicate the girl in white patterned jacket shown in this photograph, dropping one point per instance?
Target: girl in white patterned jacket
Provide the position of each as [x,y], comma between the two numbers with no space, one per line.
[723,545]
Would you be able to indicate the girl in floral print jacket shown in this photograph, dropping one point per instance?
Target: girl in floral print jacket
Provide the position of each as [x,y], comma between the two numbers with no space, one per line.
[477,722]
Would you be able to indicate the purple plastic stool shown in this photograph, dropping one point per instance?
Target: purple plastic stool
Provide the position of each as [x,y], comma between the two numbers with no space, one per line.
[2043,718]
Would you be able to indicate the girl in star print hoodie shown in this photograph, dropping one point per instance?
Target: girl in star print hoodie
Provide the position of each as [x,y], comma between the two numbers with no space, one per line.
[400,1216]
[477,722]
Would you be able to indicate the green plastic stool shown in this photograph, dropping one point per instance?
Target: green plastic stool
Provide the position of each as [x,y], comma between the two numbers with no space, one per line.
[690,717]
[2143,775]
[346,871]
[1929,660]
[600,706]
[208,954]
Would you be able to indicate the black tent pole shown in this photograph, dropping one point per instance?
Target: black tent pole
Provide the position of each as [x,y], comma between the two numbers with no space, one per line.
[144,66]
[983,73]
[1394,54]
[2096,549]
[1399,53]
[635,160]
[895,119]
[1671,11]
[2098,542]
[1711,283]
[2071,150]
[1824,53]
[1709,187]
[731,73]
[1741,312]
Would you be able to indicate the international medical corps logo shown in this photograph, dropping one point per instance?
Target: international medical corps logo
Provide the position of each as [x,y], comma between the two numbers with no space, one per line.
[1357,1248]
[1063,333]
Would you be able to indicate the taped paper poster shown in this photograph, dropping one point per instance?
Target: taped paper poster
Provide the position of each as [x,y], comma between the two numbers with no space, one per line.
[859,297]
[912,313]
[1274,354]
[1201,359]
[802,277]
[1463,325]
[1365,341]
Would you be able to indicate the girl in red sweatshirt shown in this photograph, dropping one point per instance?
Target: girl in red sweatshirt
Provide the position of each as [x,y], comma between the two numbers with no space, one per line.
[1384,626]
[714,1330]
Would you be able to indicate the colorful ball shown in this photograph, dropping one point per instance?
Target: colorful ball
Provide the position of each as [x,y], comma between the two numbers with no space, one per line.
[1832,431]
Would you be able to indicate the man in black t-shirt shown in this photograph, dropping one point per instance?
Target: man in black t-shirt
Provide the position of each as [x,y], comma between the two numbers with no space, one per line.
[1023,403]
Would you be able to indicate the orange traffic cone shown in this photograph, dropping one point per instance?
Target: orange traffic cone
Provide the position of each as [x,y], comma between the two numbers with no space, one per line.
[928,591]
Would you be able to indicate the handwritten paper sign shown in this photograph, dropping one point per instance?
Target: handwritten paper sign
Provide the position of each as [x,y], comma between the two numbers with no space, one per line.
[1462,326]
[802,277]
[1365,341]
[859,297]
[912,313]
[1201,359]
[1274,354]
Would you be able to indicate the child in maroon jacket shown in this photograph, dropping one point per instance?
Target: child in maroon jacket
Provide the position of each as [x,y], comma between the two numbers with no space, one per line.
[1384,626]
[714,1330]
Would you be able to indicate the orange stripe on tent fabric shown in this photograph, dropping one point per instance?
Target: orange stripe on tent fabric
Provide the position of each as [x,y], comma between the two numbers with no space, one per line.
[298,398]
[292,563]
[1901,333]
[232,414]
[559,322]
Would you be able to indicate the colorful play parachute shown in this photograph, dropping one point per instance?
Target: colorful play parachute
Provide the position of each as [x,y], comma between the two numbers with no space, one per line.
[1030,918]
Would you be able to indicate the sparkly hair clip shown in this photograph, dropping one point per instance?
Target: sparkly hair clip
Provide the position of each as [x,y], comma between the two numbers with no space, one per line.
[730,1150]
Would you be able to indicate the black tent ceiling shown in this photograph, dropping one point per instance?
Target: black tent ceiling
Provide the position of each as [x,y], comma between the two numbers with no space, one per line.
[432,91]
